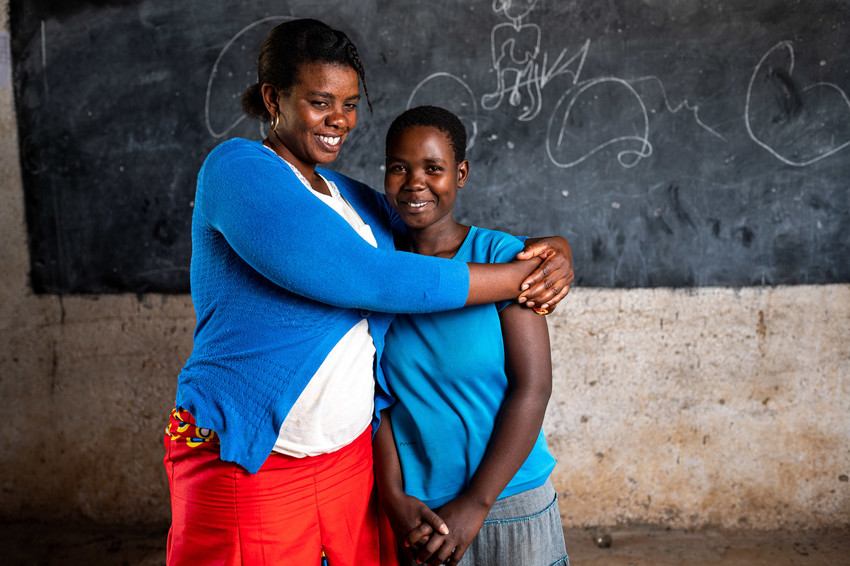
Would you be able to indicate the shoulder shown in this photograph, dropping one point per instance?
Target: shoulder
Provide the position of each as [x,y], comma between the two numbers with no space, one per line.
[493,246]
[238,162]
[233,150]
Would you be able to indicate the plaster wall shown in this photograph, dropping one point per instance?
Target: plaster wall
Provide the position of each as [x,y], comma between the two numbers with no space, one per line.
[684,408]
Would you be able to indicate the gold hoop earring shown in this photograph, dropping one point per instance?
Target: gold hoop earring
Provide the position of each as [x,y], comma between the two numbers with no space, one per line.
[275,121]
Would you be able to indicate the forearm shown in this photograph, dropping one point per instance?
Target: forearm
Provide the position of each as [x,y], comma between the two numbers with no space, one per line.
[410,519]
[492,282]
[300,244]
[513,438]
[388,477]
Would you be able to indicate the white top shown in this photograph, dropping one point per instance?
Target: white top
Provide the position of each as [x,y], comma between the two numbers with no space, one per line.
[337,405]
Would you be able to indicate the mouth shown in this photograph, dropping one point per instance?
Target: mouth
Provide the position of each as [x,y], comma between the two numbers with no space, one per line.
[415,206]
[330,143]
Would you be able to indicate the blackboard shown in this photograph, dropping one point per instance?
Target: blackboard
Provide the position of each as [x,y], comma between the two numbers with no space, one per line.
[673,143]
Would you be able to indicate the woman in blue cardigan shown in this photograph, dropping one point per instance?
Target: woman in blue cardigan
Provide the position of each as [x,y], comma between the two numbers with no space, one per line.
[294,280]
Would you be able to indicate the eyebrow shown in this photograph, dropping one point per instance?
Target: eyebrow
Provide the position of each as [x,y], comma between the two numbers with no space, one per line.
[437,160]
[324,94]
[428,160]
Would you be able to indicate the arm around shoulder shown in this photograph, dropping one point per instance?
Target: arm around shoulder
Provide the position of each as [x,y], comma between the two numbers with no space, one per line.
[297,242]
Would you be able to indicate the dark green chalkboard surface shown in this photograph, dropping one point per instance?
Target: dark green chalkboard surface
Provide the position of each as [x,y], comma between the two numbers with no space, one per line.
[673,143]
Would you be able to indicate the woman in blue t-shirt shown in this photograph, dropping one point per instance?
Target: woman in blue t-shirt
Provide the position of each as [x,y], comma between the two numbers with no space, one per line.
[461,462]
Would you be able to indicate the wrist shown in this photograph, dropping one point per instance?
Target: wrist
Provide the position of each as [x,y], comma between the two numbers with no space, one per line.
[390,495]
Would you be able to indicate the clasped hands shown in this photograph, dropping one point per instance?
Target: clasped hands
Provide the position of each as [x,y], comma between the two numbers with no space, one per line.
[432,538]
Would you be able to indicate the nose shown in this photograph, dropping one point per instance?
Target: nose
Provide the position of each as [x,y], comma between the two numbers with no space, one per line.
[337,118]
[415,181]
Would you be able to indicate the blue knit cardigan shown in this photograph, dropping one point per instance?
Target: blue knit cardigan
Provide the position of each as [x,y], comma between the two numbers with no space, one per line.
[277,279]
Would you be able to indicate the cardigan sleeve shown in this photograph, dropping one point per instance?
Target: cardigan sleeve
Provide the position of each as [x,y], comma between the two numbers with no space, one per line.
[289,236]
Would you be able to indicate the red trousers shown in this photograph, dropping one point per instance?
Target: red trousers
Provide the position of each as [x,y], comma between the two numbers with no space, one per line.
[287,513]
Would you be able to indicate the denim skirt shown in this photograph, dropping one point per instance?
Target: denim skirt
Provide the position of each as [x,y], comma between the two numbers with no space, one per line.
[522,529]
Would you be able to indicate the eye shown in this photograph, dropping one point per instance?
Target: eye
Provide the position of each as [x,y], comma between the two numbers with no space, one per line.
[320,104]
[351,106]
[435,169]
[396,169]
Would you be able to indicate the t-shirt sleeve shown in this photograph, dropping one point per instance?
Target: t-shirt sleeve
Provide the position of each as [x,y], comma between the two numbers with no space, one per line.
[499,247]
[289,236]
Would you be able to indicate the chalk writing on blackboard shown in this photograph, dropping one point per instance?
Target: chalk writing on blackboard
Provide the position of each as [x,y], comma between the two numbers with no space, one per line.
[781,133]
[674,143]
[523,73]
[465,108]
[234,88]
[515,47]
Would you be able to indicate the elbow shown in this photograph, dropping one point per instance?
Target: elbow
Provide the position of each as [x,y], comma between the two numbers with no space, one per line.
[535,397]
[543,389]
[543,395]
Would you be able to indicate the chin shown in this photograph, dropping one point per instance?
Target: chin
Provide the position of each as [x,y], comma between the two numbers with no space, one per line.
[415,222]
[327,157]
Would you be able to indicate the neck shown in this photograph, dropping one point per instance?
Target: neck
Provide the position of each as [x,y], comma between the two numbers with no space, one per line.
[308,170]
[438,241]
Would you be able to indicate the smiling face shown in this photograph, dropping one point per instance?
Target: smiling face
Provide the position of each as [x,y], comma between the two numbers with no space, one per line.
[316,114]
[422,177]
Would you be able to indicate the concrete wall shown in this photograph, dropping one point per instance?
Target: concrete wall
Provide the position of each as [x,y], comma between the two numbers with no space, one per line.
[684,408]
[711,407]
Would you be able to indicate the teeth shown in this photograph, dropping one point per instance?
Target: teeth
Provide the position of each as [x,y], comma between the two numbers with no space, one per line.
[331,140]
[416,204]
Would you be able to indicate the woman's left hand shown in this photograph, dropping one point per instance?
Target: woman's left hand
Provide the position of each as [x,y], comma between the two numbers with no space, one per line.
[551,281]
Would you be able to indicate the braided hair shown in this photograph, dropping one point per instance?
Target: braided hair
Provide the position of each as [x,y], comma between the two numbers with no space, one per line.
[289,46]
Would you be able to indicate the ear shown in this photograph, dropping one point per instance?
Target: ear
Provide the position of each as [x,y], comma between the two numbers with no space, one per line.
[270,98]
[462,173]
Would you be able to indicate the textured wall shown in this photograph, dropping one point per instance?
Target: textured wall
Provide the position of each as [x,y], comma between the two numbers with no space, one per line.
[683,408]
[712,407]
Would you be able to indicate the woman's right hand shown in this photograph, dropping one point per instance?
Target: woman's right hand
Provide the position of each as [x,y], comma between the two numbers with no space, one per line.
[539,277]
[551,281]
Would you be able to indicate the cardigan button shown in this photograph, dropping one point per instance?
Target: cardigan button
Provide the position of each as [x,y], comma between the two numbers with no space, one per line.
[364,313]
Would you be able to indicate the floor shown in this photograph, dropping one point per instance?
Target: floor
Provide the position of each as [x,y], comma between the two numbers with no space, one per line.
[77,544]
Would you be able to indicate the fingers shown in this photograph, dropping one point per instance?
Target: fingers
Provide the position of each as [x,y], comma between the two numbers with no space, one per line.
[456,556]
[435,521]
[430,524]
[427,550]
[554,268]
[442,556]
[543,271]
[453,558]
[447,554]
[550,306]
[439,550]
[419,534]
[533,248]
[547,292]
[551,281]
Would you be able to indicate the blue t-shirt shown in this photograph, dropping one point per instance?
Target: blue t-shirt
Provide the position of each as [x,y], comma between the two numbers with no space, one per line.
[447,372]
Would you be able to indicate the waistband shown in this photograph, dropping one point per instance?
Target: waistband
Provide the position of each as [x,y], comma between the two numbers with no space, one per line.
[181,427]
